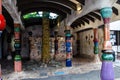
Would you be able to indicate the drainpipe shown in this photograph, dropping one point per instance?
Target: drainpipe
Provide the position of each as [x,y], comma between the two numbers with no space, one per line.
[56,45]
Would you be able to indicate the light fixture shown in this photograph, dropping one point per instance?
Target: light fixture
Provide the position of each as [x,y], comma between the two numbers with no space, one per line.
[79,7]
[77,4]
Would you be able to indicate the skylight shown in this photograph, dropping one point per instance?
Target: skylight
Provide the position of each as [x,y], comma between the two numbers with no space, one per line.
[39,14]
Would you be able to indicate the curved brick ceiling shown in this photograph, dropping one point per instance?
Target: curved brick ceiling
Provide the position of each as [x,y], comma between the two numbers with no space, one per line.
[60,7]
[94,14]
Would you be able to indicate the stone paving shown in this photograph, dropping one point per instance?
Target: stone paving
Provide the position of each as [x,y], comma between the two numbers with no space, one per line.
[81,70]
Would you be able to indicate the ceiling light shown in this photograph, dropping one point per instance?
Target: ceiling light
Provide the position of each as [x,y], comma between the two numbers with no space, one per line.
[79,7]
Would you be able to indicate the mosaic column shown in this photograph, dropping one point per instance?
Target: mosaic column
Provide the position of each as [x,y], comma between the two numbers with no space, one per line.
[45,38]
[96,45]
[17,45]
[56,45]
[107,70]
[68,48]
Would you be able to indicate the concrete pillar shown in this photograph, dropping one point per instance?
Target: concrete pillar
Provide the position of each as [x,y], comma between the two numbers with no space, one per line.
[17,45]
[68,48]
[56,44]
[107,70]
[96,45]
[45,38]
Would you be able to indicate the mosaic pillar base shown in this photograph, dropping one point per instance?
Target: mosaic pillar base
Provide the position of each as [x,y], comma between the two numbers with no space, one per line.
[107,71]
[68,63]
[17,66]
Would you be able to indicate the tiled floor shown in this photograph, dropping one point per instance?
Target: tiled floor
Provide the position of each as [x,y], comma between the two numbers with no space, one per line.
[82,69]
